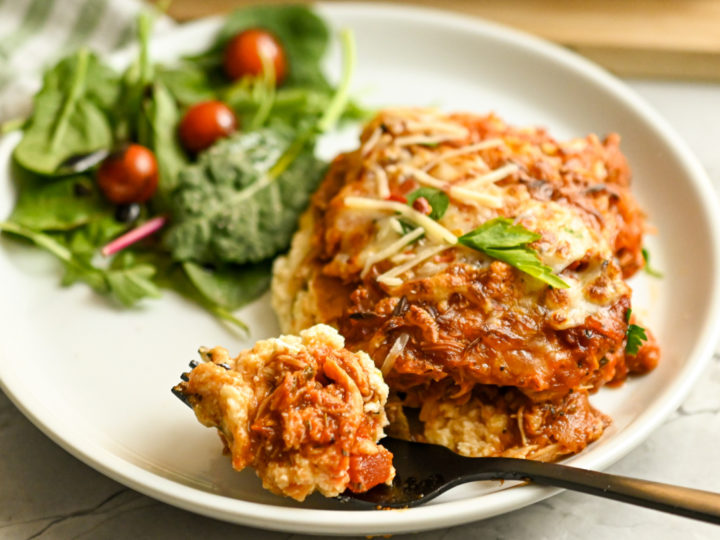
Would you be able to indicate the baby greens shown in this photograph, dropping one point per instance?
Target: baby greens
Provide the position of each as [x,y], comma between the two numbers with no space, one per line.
[70,115]
[231,208]
[505,241]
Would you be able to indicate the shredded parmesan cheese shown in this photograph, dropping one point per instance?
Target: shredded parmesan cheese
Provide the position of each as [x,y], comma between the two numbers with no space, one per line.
[459,193]
[521,427]
[393,353]
[492,176]
[392,249]
[407,140]
[383,184]
[437,126]
[390,277]
[371,142]
[434,230]
[470,149]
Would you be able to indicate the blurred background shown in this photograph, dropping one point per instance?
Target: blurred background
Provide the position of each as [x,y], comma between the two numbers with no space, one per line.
[636,38]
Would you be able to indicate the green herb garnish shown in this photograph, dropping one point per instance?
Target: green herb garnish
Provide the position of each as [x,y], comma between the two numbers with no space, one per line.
[635,336]
[438,199]
[501,239]
[649,269]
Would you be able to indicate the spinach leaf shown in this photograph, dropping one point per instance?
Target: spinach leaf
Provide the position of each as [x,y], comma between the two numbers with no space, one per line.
[70,114]
[56,204]
[163,117]
[231,208]
[302,33]
[187,83]
[230,287]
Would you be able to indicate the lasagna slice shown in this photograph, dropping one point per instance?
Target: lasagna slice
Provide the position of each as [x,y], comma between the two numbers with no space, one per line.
[486,352]
[303,411]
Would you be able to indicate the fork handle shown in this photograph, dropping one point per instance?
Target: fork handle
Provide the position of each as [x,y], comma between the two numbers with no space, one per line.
[683,501]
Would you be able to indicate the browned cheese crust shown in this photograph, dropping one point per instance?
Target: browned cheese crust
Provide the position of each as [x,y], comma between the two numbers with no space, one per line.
[495,361]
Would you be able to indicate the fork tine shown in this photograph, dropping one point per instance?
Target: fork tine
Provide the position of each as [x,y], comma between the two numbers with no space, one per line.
[185,377]
[194,364]
[179,392]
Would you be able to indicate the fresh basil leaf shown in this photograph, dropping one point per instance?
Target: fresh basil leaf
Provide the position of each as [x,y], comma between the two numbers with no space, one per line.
[501,239]
[635,336]
[70,114]
[230,287]
[648,268]
[230,208]
[438,199]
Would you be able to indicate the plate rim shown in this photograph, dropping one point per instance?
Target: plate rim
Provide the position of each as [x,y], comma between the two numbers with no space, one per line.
[451,512]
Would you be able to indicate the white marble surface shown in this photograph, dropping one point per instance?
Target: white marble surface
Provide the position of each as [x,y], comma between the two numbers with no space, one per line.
[46,493]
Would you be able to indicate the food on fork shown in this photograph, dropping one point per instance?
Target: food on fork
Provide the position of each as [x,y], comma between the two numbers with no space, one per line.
[303,411]
[482,267]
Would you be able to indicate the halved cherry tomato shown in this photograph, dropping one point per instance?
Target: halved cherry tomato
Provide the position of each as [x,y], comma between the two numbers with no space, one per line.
[244,52]
[129,175]
[204,123]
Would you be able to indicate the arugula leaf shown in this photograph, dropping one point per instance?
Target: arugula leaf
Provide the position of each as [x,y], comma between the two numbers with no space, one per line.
[649,269]
[130,281]
[230,287]
[127,281]
[635,336]
[70,114]
[79,269]
[438,199]
[228,208]
[501,239]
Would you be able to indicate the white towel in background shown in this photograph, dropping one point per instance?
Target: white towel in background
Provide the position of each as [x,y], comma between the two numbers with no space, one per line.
[35,33]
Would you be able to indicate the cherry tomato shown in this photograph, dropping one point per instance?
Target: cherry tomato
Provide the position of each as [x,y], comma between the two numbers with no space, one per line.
[205,123]
[243,55]
[129,175]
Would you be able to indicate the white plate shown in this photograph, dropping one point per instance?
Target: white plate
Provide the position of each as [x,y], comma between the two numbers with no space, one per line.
[97,379]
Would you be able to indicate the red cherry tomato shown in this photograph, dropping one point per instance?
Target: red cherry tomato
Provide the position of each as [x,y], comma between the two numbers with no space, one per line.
[244,52]
[205,123]
[129,175]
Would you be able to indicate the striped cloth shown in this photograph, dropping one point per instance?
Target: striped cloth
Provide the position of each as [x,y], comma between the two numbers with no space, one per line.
[35,33]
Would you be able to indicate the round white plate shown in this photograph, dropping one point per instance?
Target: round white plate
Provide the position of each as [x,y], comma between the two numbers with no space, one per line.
[97,379]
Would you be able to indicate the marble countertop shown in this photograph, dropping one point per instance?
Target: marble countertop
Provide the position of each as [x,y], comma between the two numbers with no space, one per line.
[46,493]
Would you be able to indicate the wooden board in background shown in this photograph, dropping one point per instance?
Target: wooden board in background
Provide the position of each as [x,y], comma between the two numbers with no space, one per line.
[642,38]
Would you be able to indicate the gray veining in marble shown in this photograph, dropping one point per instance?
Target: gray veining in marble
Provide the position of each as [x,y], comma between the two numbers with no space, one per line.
[46,493]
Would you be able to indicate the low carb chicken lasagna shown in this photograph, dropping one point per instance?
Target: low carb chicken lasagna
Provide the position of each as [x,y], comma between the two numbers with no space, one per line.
[302,410]
[482,267]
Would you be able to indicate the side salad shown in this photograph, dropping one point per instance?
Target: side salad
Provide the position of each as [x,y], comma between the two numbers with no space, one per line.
[188,177]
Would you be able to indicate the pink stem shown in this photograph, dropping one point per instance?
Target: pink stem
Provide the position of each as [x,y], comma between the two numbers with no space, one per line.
[135,235]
